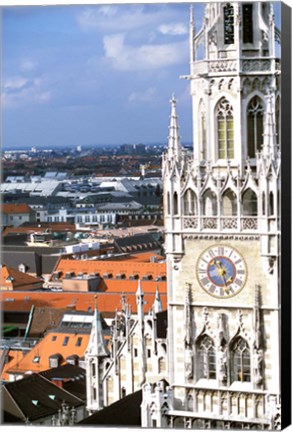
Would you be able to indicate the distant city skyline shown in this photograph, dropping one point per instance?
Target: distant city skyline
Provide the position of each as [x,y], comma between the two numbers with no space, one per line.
[96,74]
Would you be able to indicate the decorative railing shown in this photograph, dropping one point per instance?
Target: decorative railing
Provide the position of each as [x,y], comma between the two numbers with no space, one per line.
[226,65]
[256,65]
[206,223]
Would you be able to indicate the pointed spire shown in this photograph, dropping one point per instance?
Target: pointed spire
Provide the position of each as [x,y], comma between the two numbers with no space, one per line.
[270,142]
[97,345]
[174,146]
[139,292]
[157,305]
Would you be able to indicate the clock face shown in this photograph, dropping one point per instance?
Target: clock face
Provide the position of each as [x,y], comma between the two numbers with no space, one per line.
[221,271]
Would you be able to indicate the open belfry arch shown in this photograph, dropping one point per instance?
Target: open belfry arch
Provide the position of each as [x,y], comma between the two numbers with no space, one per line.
[222,221]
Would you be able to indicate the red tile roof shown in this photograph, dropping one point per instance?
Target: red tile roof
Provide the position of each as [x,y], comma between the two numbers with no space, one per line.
[53,343]
[16,208]
[12,279]
[107,302]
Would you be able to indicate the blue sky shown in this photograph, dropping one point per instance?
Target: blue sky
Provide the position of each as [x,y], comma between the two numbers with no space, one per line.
[94,75]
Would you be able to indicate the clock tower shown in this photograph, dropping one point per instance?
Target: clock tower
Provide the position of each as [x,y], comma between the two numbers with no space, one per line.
[222,222]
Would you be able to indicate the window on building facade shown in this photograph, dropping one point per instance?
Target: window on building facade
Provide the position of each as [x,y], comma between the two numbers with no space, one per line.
[271,204]
[206,358]
[247,23]
[228,11]
[225,129]
[79,341]
[190,202]
[240,357]
[175,203]
[229,203]
[263,203]
[209,203]
[66,340]
[168,203]
[249,203]
[255,125]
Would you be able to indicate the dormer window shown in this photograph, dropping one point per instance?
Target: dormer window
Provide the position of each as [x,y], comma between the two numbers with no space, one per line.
[228,24]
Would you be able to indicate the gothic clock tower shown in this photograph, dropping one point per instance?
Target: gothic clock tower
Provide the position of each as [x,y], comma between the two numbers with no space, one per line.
[222,221]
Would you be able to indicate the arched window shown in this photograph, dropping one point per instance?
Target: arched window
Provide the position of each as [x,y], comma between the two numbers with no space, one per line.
[190,402]
[278,120]
[240,360]
[229,204]
[255,124]
[168,203]
[202,131]
[209,203]
[263,203]
[225,129]
[249,203]
[175,203]
[206,358]
[271,204]
[190,202]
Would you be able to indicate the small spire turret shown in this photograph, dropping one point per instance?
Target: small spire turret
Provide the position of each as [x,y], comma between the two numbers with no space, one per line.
[174,146]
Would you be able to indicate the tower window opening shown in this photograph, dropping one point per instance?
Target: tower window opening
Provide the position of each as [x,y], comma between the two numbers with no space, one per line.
[255,126]
[206,358]
[249,203]
[240,360]
[175,203]
[247,23]
[225,129]
[228,24]
[263,203]
[271,204]
[210,203]
[168,203]
[190,203]
[229,204]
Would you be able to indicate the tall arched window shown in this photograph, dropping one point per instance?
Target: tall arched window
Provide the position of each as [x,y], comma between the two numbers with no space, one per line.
[175,203]
[240,360]
[271,204]
[206,358]
[168,203]
[255,124]
[263,203]
[278,120]
[202,130]
[249,203]
[225,129]
[209,203]
[229,204]
[190,202]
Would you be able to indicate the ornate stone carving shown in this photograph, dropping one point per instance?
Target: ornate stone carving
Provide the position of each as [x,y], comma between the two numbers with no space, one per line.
[249,224]
[222,66]
[229,223]
[256,65]
[257,362]
[190,222]
[210,223]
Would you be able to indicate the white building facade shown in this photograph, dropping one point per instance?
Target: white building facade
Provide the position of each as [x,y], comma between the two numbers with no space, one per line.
[222,222]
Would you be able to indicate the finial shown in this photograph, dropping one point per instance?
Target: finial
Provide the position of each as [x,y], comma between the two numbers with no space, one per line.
[95,301]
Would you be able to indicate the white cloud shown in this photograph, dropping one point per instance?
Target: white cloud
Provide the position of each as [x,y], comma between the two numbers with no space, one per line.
[28,65]
[149,56]
[123,17]
[143,96]
[174,29]
[19,91]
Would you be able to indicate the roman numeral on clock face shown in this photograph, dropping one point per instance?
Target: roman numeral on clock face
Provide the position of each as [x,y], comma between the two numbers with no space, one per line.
[221,251]
[204,280]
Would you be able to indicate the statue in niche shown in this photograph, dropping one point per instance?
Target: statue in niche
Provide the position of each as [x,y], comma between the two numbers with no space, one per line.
[257,361]
[189,364]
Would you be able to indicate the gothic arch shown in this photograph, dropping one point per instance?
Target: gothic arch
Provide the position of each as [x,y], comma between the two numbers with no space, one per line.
[255,125]
[224,129]
[168,203]
[249,203]
[190,202]
[175,203]
[229,203]
[271,204]
[240,360]
[206,357]
[209,199]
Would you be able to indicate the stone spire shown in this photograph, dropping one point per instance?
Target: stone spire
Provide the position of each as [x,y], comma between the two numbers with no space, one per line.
[97,344]
[157,305]
[174,146]
[270,142]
